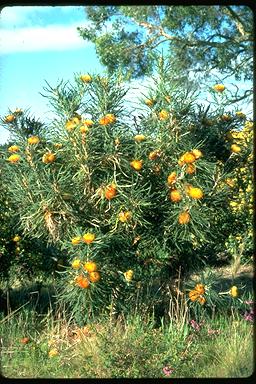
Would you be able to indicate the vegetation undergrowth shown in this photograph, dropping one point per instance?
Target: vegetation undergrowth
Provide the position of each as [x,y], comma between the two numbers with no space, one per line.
[138,344]
[39,346]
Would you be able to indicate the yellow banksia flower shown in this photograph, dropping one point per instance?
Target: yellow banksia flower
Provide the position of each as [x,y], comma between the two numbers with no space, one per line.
[109,118]
[240,135]
[181,161]
[197,153]
[149,102]
[53,352]
[94,277]
[163,115]
[219,87]
[201,300]
[14,158]
[175,196]
[248,126]
[88,237]
[76,240]
[136,164]
[90,266]
[48,158]
[76,263]
[17,249]
[171,179]
[82,281]
[225,117]
[195,193]
[187,187]
[128,275]
[86,125]
[88,122]
[103,121]
[110,191]
[33,140]
[240,114]
[9,119]
[154,154]
[18,111]
[235,148]
[86,78]
[191,168]
[139,138]
[16,238]
[124,216]
[72,123]
[84,129]
[188,158]
[184,217]
[230,182]
[200,288]
[193,295]
[14,148]
[233,291]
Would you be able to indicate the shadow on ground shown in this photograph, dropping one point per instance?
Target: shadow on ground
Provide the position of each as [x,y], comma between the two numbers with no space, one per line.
[40,298]
[244,281]
[34,296]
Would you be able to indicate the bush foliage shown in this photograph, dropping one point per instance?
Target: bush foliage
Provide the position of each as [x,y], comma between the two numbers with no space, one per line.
[120,195]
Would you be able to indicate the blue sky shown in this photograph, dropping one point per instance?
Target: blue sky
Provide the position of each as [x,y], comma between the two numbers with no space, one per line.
[39,43]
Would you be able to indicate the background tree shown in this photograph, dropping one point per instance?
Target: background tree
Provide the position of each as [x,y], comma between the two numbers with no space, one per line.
[198,40]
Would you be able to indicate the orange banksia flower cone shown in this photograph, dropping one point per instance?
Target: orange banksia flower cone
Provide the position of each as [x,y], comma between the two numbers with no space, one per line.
[14,158]
[136,164]
[90,266]
[94,277]
[110,192]
[175,196]
[184,217]
[88,238]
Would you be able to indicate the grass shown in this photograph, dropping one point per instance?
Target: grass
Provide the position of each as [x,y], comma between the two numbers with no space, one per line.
[126,347]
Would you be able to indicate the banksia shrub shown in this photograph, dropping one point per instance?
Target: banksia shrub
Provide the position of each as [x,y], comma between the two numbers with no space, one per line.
[123,199]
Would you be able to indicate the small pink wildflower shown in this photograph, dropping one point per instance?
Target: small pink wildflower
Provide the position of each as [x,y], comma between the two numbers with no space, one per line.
[168,371]
[195,325]
[249,316]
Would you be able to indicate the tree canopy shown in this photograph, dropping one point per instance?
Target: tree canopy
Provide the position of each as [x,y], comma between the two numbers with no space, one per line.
[200,40]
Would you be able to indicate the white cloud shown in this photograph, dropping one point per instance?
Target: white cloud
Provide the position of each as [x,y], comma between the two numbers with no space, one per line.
[19,15]
[30,15]
[52,37]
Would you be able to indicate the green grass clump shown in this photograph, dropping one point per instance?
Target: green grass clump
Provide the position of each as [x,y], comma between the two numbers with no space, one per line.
[134,346]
